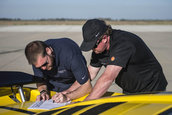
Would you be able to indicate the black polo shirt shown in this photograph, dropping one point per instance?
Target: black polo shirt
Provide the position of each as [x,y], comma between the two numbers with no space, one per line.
[141,72]
[69,65]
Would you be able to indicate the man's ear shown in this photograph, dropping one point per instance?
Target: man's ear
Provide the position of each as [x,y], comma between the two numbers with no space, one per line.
[105,39]
[48,50]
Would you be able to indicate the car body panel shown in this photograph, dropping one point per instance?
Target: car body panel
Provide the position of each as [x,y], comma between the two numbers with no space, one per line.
[111,103]
[115,104]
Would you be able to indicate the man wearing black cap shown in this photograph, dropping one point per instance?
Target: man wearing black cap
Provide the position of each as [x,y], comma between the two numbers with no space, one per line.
[126,57]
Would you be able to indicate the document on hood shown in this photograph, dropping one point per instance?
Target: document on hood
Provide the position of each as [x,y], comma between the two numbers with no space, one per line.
[47,105]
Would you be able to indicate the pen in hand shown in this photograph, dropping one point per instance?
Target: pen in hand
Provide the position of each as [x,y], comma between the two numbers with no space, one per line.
[59,98]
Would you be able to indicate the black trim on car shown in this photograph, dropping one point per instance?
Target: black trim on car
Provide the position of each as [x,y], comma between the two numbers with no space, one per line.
[18,110]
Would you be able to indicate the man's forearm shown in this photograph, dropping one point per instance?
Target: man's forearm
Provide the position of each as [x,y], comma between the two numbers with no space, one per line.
[44,94]
[80,91]
[74,86]
[100,88]
[104,81]
[41,87]
[93,71]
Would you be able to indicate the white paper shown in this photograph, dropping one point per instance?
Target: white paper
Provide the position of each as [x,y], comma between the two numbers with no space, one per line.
[48,104]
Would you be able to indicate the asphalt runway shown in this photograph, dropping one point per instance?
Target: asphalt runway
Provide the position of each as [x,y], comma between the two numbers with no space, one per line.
[13,40]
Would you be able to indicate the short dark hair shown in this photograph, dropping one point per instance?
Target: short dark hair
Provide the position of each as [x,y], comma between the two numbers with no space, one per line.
[109,30]
[33,49]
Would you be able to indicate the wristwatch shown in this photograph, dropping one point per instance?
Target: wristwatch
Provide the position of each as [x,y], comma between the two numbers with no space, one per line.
[43,91]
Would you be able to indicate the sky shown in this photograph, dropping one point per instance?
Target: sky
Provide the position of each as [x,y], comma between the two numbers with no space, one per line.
[86,9]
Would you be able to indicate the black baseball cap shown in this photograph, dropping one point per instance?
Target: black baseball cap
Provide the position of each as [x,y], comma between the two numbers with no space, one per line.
[92,30]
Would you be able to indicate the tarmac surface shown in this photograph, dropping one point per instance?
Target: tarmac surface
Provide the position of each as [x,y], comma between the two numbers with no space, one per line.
[13,40]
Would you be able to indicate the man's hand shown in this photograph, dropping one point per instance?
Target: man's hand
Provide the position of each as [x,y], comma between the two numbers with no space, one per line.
[43,96]
[60,98]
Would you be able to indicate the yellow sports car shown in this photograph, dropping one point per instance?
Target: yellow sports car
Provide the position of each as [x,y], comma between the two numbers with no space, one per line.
[15,100]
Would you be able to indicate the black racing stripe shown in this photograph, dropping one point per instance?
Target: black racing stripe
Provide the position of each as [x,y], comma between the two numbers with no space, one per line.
[18,110]
[101,108]
[49,112]
[167,112]
[73,110]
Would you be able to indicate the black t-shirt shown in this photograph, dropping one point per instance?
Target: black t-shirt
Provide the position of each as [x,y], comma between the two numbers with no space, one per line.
[141,71]
[69,65]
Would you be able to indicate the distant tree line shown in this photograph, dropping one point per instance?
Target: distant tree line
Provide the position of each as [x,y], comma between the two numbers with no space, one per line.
[9,19]
[70,19]
[51,19]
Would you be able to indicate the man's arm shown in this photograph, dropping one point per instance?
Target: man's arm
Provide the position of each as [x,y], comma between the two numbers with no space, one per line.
[104,82]
[74,86]
[80,71]
[79,92]
[93,71]
[42,87]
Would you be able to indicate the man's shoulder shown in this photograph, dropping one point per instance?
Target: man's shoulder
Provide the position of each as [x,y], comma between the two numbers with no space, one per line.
[58,41]
[63,46]
[122,34]
[121,38]
[62,43]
